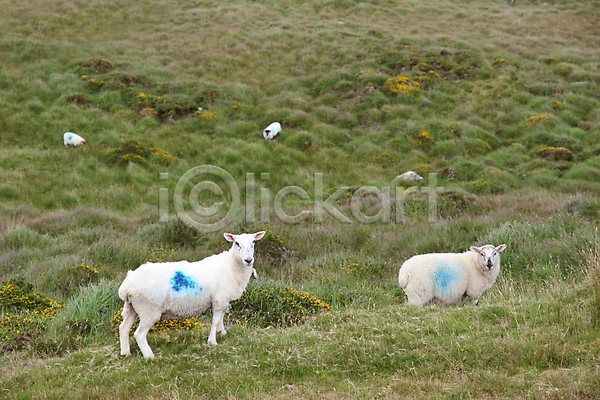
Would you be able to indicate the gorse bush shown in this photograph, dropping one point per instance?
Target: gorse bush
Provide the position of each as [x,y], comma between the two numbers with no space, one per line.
[555,153]
[24,314]
[275,305]
[132,151]
[540,120]
[17,294]
[402,85]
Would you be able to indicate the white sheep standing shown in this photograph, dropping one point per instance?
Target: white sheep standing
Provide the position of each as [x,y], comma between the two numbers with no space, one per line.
[272,130]
[179,290]
[449,278]
[72,139]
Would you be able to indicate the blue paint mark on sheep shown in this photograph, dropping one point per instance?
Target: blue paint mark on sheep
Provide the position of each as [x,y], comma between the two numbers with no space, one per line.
[70,137]
[181,282]
[444,278]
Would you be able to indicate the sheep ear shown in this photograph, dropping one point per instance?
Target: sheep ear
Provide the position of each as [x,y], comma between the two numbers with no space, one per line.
[500,248]
[229,237]
[259,235]
[475,249]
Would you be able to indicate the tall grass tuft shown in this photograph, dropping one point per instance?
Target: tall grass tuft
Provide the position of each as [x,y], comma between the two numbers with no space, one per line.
[592,283]
[85,320]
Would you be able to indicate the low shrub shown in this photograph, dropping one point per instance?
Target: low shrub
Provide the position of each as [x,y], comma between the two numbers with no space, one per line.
[401,85]
[275,305]
[555,153]
[540,120]
[25,314]
[132,151]
[17,294]
[455,202]
[70,279]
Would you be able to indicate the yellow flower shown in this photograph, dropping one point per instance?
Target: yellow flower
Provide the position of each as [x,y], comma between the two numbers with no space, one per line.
[424,137]
[206,115]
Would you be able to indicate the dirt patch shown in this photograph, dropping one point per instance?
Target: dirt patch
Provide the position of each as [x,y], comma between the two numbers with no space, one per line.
[555,153]
[99,64]
[79,100]
[172,112]
[448,174]
[21,342]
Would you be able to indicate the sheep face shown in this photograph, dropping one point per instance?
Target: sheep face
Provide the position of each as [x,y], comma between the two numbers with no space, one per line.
[490,255]
[243,246]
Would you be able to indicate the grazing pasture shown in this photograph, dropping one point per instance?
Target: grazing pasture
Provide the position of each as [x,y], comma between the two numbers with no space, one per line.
[496,105]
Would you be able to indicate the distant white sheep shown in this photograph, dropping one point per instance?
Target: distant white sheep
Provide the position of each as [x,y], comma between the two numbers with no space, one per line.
[179,290]
[73,139]
[410,176]
[449,278]
[272,130]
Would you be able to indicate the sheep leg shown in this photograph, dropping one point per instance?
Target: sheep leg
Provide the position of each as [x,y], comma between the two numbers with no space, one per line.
[129,315]
[146,323]
[221,327]
[462,300]
[217,320]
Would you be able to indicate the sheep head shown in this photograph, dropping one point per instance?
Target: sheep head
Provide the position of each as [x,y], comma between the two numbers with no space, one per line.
[490,255]
[243,246]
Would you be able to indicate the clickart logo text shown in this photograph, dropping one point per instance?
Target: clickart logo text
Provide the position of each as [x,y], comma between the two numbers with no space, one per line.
[216,186]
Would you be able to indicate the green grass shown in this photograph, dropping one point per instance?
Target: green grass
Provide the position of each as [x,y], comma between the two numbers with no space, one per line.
[501,101]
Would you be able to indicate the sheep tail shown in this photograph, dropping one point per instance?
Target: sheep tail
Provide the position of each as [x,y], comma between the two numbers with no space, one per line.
[402,279]
[124,290]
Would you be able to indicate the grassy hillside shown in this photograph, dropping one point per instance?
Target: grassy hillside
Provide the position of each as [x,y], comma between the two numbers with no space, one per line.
[500,101]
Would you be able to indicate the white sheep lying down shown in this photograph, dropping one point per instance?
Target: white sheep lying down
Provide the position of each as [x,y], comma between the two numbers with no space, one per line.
[179,290]
[449,278]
